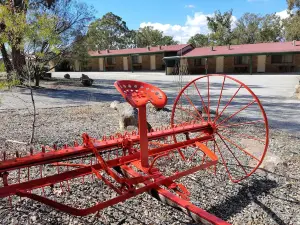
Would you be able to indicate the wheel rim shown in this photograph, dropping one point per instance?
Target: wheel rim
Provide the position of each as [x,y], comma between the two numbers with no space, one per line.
[241,133]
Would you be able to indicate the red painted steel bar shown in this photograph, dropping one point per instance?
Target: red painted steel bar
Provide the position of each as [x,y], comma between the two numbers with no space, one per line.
[198,214]
[143,130]
[120,198]
[47,181]
[54,156]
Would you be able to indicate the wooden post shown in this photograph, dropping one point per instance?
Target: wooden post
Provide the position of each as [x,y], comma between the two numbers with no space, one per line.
[104,64]
[206,66]
[131,63]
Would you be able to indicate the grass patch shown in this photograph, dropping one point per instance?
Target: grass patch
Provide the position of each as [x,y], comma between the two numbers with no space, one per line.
[6,84]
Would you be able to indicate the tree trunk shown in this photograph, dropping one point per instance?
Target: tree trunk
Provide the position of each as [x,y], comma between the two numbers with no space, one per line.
[18,61]
[37,80]
[6,60]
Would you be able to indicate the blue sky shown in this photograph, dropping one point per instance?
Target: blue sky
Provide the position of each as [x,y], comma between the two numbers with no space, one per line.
[181,18]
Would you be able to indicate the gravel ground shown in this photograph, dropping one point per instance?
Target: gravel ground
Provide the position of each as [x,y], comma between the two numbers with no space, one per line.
[270,196]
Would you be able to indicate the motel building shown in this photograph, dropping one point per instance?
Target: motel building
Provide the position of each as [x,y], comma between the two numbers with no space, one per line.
[278,57]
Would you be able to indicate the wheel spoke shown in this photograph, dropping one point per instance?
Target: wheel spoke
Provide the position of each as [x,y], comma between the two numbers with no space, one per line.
[185,110]
[236,145]
[241,124]
[223,160]
[204,106]
[190,101]
[220,96]
[228,103]
[232,153]
[246,136]
[208,99]
[228,118]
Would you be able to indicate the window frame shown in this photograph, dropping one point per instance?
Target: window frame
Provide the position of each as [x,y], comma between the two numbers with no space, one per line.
[113,61]
[282,59]
[201,60]
[137,59]
[239,60]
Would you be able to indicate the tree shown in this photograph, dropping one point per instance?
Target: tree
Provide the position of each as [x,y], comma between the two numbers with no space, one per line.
[252,28]
[220,27]
[271,28]
[41,33]
[292,24]
[79,51]
[148,36]
[199,40]
[247,29]
[109,32]
[293,4]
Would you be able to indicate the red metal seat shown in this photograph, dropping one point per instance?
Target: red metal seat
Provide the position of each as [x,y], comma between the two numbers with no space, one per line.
[138,94]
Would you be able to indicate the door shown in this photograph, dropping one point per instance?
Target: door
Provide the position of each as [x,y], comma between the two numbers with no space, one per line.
[261,63]
[220,64]
[152,62]
[125,63]
[101,64]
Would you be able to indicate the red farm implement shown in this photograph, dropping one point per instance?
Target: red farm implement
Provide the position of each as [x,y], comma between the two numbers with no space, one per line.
[217,123]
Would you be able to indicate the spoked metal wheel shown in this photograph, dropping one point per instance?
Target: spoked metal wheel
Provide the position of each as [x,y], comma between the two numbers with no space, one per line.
[241,133]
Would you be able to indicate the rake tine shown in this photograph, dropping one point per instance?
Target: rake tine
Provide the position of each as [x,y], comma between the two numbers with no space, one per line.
[19,170]
[82,176]
[41,173]
[60,184]
[76,144]
[93,178]
[68,185]
[5,183]
[58,170]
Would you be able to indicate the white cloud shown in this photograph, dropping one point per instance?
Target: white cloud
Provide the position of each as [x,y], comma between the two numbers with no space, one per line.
[193,25]
[189,6]
[283,14]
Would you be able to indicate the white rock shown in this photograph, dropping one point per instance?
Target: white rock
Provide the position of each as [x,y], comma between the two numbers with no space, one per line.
[114,104]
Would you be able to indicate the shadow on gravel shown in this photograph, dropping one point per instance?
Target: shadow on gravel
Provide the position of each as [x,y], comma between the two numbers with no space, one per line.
[246,195]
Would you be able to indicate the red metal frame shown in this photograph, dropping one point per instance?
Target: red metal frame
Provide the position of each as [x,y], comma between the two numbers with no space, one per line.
[137,152]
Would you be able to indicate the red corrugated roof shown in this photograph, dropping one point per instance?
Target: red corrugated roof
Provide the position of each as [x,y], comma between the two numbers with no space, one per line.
[276,47]
[170,48]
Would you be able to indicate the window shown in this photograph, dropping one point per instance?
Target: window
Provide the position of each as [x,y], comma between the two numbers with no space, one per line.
[287,59]
[136,59]
[199,62]
[279,59]
[111,61]
[241,60]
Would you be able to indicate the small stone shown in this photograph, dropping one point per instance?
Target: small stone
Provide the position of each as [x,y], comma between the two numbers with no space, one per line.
[114,104]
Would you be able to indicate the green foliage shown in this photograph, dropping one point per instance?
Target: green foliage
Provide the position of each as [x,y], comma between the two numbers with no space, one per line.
[109,32]
[41,32]
[9,84]
[199,40]
[2,67]
[148,36]
[252,28]
[220,27]
[15,26]
[247,29]
[271,28]
[292,28]
[293,4]
[292,23]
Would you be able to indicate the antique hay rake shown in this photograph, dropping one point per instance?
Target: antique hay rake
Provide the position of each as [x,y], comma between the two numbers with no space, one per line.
[214,118]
